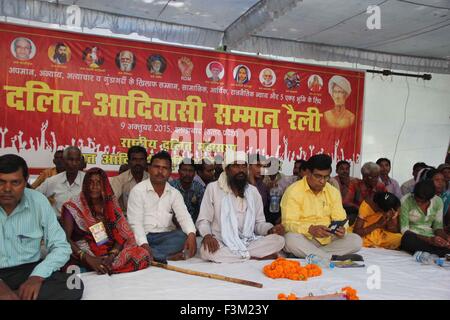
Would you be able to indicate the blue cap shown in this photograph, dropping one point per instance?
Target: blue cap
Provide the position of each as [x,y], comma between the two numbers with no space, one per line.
[331,265]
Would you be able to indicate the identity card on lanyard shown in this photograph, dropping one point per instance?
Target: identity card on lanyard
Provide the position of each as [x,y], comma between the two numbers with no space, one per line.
[99,233]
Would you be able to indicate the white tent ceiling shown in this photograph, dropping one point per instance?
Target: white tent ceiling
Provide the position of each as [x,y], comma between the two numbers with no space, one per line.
[414,35]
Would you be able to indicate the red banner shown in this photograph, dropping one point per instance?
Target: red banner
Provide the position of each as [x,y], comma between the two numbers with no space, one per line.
[106,95]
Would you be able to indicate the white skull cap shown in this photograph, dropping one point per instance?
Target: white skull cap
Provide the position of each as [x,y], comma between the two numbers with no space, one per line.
[232,156]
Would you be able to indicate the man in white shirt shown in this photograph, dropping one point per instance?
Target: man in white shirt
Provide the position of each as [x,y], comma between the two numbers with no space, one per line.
[408,186]
[231,219]
[65,185]
[152,206]
[124,182]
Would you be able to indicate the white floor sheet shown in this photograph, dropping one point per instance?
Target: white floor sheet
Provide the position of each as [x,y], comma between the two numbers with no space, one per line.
[388,275]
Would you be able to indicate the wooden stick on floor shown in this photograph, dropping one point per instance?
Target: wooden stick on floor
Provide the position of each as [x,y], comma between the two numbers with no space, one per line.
[207,275]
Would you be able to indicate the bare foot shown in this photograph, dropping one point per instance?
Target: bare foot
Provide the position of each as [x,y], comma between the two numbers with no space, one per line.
[176,257]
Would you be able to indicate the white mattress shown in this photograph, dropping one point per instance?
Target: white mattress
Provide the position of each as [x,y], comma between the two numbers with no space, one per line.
[401,278]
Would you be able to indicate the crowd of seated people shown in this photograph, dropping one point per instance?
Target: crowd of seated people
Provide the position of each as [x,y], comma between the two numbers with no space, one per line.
[241,207]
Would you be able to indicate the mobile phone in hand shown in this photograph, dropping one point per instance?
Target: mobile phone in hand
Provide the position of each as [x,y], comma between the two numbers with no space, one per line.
[334,225]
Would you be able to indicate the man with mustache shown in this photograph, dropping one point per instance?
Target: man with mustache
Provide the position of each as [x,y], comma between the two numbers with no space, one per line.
[60,55]
[343,177]
[307,209]
[67,184]
[192,191]
[123,183]
[152,206]
[26,221]
[231,219]
[205,172]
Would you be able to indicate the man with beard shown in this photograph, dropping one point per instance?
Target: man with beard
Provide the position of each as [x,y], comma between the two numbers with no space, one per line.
[123,183]
[191,190]
[152,207]
[126,61]
[65,185]
[60,55]
[231,219]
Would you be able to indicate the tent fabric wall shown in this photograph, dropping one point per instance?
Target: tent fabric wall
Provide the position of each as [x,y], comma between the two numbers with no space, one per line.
[57,14]
[406,120]
[237,36]
[405,130]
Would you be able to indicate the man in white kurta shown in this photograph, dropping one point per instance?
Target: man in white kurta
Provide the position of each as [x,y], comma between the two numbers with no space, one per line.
[231,219]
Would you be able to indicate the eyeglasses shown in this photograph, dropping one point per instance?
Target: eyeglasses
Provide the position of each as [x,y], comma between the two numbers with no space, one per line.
[320,177]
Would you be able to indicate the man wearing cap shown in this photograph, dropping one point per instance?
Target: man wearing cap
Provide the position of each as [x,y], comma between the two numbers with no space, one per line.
[231,219]
[339,117]
[216,69]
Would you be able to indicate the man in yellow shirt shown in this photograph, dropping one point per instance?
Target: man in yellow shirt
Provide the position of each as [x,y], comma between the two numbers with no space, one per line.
[308,207]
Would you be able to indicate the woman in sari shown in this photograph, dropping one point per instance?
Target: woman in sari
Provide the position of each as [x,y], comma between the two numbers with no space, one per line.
[378,221]
[97,230]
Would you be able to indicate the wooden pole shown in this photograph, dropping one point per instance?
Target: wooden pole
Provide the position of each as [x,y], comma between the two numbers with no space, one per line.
[207,275]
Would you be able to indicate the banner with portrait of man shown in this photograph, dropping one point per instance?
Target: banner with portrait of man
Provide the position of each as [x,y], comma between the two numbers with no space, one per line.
[107,94]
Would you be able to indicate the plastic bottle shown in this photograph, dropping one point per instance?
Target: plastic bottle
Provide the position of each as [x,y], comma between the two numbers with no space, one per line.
[426,257]
[441,262]
[275,197]
[321,262]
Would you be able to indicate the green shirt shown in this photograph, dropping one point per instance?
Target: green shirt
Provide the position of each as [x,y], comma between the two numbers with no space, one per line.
[412,218]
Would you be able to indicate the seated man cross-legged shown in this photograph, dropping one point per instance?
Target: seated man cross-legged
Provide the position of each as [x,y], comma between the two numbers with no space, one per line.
[308,207]
[26,221]
[153,206]
[231,219]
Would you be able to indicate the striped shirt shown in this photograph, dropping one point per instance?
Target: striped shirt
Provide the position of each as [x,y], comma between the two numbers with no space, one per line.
[192,197]
[21,233]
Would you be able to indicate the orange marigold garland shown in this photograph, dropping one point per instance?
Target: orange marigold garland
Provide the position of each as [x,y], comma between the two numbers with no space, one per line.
[290,269]
[292,296]
[348,292]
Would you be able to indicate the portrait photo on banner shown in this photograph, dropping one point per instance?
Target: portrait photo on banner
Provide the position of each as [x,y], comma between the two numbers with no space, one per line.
[292,80]
[215,71]
[23,48]
[267,77]
[59,53]
[315,83]
[242,74]
[339,116]
[125,60]
[156,64]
